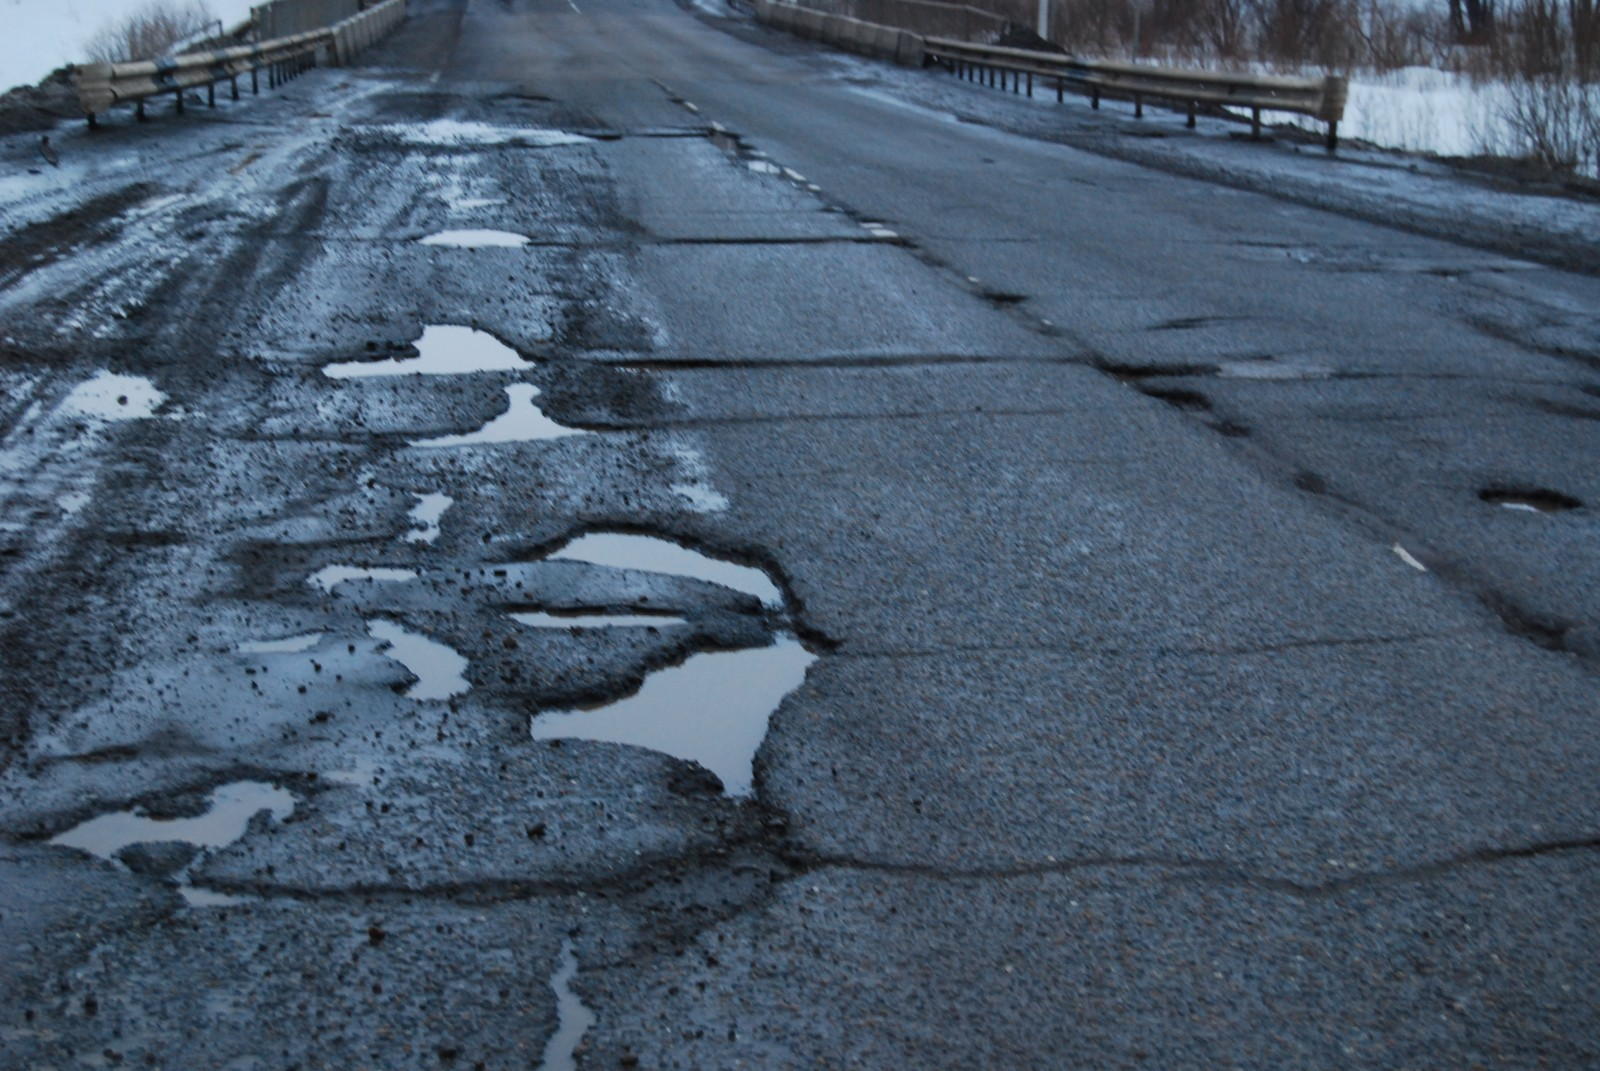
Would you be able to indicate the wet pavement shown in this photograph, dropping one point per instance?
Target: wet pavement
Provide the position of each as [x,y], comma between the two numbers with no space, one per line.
[499,568]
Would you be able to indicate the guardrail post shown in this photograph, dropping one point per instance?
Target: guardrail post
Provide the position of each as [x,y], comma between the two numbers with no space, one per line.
[94,124]
[138,112]
[1061,90]
[234,79]
[255,85]
[1255,124]
[177,97]
[1030,85]
[211,95]
[1094,98]
[1138,106]
[1333,135]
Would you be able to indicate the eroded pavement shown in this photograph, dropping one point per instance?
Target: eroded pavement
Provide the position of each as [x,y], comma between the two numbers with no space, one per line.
[492,579]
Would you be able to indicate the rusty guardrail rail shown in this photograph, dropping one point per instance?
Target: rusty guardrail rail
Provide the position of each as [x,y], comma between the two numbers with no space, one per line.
[101,86]
[1320,98]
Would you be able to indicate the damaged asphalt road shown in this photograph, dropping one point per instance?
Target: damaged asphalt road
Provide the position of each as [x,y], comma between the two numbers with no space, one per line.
[498,571]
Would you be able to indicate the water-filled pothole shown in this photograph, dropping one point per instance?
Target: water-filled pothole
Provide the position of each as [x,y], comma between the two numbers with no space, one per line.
[477,239]
[229,809]
[573,1020]
[523,421]
[543,619]
[443,350]
[331,576]
[1532,500]
[438,668]
[286,645]
[621,550]
[425,517]
[712,709]
[112,397]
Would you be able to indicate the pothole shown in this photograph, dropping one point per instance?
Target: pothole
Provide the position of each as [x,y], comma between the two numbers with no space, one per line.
[425,517]
[455,133]
[437,667]
[573,1020]
[1535,500]
[545,619]
[286,645]
[712,709]
[653,554]
[477,239]
[109,396]
[523,421]
[331,576]
[168,847]
[443,350]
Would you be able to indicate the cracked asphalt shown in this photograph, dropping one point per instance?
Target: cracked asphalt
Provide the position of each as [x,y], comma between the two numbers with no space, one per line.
[1192,542]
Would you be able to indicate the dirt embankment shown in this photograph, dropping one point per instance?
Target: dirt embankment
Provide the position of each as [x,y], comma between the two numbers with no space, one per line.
[39,107]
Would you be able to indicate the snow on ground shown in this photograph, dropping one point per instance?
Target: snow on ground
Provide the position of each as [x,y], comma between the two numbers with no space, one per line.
[41,35]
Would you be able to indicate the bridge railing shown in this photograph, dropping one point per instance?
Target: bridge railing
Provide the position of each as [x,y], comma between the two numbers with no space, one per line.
[1320,98]
[102,86]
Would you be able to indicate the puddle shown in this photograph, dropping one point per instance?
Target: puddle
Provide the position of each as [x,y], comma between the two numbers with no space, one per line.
[540,619]
[523,421]
[450,133]
[425,515]
[443,350]
[712,709]
[113,397]
[652,554]
[331,576]
[472,239]
[230,810]
[573,1020]
[438,668]
[287,645]
[1539,500]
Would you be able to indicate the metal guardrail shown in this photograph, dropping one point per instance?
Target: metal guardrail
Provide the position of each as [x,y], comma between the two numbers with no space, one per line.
[1320,98]
[101,86]
[841,31]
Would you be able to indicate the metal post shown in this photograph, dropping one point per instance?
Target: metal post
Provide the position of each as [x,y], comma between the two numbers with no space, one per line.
[234,80]
[1138,106]
[138,112]
[1030,85]
[1060,89]
[1333,136]
[211,95]
[178,97]
[94,124]
[1094,98]
[1255,124]
[1190,123]
[255,86]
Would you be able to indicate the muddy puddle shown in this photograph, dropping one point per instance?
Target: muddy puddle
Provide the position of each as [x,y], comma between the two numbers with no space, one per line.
[653,554]
[712,709]
[229,809]
[476,239]
[541,619]
[443,350]
[522,422]
[437,667]
[573,1020]
[331,576]
[112,397]
[425,517]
